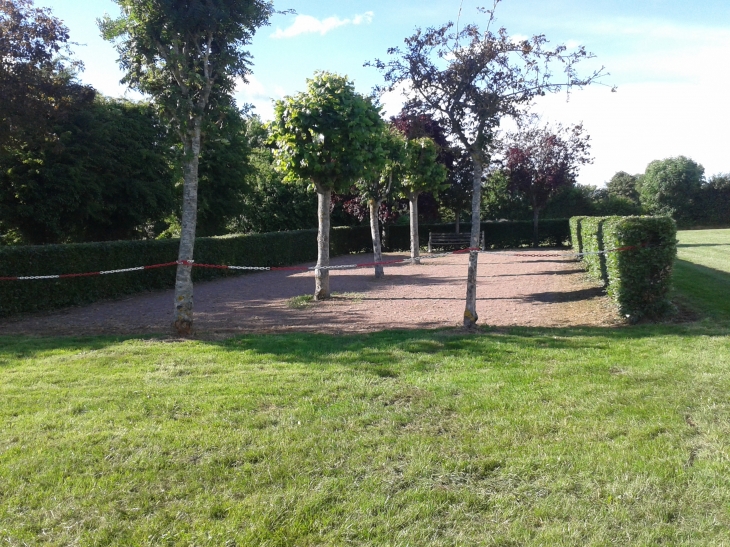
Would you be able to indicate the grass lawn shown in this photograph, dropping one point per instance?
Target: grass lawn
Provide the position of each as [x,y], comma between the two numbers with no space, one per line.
[505,438]
[702,272]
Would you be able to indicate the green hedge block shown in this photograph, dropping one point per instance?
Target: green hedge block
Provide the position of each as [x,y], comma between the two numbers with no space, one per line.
[575,234]
[639,279]
[591,237]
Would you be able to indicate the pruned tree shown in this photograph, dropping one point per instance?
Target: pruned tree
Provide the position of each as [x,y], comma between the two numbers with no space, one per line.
[471,78]
[422,173]
[324,138]
[381,177]
[188,56]
[540,160]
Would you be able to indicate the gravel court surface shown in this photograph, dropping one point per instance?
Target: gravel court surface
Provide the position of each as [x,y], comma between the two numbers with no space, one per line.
[516,289]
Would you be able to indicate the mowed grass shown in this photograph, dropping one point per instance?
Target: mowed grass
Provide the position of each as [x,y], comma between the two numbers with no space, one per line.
[702,271]
[519,437]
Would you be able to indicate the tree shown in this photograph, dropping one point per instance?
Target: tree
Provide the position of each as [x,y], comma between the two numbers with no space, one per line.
[422,173]
[324,138]
[539,161]
[106,176]
[37,84]
[377,181]
[470,79]
[714,201]
[224,174]
[187,55]
[624,185]
[671,187]
[270,204]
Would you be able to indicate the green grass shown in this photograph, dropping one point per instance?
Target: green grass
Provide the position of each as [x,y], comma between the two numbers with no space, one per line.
[702,271]
[300,302]
[505,438]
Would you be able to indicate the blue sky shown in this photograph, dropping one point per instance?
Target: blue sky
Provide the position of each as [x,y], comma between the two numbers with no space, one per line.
[669,59]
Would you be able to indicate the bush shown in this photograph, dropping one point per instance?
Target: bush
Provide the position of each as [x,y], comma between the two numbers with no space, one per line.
[497,235]
[591,238]
[272,249]
[575,234]
[638,279]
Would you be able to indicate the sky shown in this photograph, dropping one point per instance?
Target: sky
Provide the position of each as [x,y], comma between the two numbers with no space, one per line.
[669,59]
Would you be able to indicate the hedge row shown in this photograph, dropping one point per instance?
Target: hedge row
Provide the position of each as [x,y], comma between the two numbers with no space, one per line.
[272,249]
[497,235]
[637,279]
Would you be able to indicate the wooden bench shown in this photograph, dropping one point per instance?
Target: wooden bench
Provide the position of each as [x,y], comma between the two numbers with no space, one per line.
[451,240]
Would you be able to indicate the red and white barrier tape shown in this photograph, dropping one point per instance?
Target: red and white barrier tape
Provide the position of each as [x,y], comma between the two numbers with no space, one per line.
[308,268]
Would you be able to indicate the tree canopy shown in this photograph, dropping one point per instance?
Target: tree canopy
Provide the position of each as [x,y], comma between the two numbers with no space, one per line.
[37,84]
[671,187]
[107,176]
[324,136]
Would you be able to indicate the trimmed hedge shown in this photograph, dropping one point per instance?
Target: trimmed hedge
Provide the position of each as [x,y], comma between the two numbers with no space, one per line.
[575,235]
[638,279]
[497,235]
[591,237]
[272,249]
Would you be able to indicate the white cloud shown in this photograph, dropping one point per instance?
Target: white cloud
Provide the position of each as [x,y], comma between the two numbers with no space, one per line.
[255,93]
[306,24]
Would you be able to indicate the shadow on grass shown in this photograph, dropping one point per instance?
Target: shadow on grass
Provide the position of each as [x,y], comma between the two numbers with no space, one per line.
[383,353]
[707,290]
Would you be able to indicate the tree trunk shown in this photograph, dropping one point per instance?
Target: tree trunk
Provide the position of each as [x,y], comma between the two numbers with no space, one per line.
[457,223]
[470,313]
[322,277]
[535,235]
[415,243]
[375,231]
[183,323]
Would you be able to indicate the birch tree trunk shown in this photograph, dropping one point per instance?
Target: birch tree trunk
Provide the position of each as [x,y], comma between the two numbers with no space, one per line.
[375,231]
[183,323]
[470,313]
[535,235]
[322,277]
[415,243]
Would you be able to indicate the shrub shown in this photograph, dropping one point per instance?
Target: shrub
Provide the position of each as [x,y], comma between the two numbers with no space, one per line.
[575,234]
[271,249]
[639,279]
[497,235]
[274,249]
[591,238]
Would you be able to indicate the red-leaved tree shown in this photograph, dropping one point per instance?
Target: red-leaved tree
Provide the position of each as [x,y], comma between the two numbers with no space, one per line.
[541,160]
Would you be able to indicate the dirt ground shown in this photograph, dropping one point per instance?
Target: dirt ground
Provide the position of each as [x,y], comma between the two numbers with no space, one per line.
[517,288]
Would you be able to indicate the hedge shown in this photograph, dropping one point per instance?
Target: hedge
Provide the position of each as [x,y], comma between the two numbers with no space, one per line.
[497,235]
[637,279]
[272,249]
[591,238]
[575,235]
